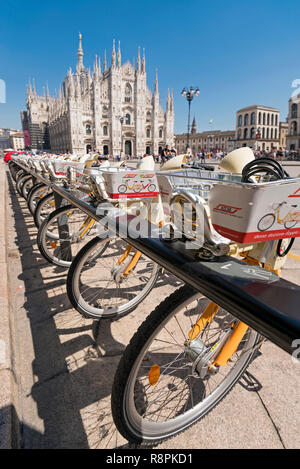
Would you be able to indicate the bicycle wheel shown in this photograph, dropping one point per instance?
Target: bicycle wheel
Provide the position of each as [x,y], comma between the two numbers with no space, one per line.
[158,390]
[62,233]
[284,246]
[266,222]
[13,168]
[35,194]
[290,224]
[152,188]
[45,206]
[122,188]
[26,186]
[20,173]
[95,286]
[20,183]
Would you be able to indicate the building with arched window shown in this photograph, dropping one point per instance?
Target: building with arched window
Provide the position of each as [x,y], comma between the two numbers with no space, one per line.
[261,131]
[211,140]
[111,110]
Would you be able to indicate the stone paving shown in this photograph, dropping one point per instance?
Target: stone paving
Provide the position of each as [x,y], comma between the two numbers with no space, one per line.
[64,364]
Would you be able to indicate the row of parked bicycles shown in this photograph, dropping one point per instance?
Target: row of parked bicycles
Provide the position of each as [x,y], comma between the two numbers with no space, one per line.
[189,352]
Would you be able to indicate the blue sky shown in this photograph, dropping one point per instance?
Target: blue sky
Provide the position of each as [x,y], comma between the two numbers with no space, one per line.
[237,52]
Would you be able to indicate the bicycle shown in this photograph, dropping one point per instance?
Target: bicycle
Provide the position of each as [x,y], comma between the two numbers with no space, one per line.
[289,221]
[187,355]
[136,187]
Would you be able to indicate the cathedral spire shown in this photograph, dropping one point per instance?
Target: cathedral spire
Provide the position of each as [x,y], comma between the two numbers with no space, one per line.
[144,62]
[33,87]
[80,56]
[29,88]
[156,82]
[138,62]
[95,69]
[168,100]
[47,90]
[99,67]
[104,64]
[71,83]
[113,56]
[172,104]
[119,56]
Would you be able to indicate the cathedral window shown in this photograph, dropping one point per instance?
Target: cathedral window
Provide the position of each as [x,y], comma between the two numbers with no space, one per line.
[128,93]
[105,112]
[148,117]
[160,133]
[127,119]
[88,130]
[148,133]
[105,130]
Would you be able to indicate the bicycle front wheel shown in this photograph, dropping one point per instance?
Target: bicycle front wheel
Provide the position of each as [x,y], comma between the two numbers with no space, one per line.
[158,389]
[35,194]
[62,234]
[43,208]
[96,286]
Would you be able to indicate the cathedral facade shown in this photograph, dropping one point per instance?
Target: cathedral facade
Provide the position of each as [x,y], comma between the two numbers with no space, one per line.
[110,110]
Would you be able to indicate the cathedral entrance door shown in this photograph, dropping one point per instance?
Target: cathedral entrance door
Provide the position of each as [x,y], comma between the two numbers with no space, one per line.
[88,148]
[128,148]
[105,150]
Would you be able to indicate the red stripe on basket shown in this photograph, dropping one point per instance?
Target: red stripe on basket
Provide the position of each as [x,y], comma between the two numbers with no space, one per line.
[133,195]
[256,236]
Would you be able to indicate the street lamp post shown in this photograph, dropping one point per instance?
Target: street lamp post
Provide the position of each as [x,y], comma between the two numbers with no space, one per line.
[189,94]
[257,137]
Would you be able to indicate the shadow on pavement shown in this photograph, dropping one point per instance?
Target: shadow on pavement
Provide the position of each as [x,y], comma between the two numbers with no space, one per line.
[72,384]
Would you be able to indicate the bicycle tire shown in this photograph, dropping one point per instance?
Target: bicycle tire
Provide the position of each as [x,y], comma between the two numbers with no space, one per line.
[55,255]
[20,174]
[290,224]
[33,195]
[26,187]
[269,226]
[20,183]
[75,295]
[152,188]
[134,427]
[38,217]
[13,168]
[122,186]
[283,252]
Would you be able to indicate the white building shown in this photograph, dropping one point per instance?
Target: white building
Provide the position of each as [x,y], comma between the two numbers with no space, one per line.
[17,141]
[221,140]
[111,110]
[257,127]
[7,140]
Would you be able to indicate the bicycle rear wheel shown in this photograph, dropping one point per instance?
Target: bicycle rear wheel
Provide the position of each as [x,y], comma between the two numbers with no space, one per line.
[95,285]
[159,388]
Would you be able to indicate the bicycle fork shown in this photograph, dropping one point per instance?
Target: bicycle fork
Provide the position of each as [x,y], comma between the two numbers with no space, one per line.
[210,359]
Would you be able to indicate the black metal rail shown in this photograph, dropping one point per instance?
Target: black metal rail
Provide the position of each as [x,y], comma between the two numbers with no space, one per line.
[261,299]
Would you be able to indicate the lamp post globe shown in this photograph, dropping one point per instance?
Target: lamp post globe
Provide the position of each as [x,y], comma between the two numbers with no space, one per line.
[189,94]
